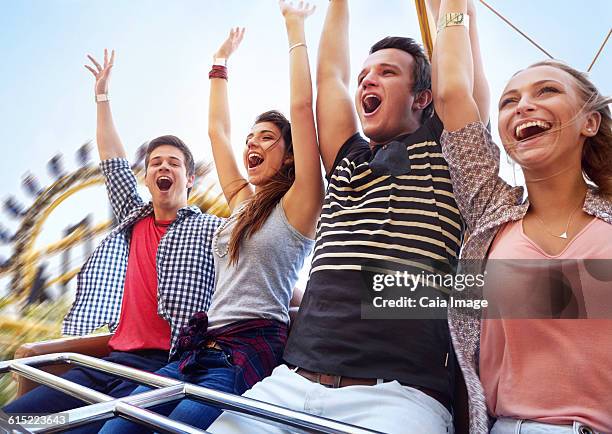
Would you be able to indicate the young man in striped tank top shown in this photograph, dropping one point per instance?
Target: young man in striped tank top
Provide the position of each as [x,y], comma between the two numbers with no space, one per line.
[389,201]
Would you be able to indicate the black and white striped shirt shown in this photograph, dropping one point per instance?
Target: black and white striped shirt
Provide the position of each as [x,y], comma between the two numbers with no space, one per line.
[371,214]
[390,205]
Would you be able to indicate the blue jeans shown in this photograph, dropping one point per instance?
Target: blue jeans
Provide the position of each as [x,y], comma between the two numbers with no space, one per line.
[505,425]
[216,372]
[44,399]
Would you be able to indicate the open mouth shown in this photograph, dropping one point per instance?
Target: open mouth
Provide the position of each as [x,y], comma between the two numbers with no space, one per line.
[254,159]
[531,129]
[164,183]
[370,103]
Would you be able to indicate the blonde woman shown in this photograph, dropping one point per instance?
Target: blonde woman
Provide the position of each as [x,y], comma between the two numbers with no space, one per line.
[531,374]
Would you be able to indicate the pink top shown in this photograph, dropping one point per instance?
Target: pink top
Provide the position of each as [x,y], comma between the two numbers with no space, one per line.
[552,370]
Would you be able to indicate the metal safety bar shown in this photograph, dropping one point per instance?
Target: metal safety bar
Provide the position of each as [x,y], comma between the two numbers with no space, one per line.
[134,407]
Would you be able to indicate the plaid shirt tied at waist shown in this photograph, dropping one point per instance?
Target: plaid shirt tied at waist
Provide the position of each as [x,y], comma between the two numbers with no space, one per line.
[255,346]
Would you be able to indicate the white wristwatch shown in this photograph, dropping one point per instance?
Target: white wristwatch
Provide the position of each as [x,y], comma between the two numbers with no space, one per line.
[102,97]
[220,61]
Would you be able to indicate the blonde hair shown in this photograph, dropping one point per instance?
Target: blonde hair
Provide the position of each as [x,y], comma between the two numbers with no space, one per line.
[597,150]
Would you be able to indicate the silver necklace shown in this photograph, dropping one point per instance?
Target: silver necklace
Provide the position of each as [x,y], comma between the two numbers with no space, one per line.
[222,226]
[564,234]
[215,240]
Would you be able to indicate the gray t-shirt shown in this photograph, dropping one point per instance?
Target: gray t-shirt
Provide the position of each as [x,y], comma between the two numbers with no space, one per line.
[261,283]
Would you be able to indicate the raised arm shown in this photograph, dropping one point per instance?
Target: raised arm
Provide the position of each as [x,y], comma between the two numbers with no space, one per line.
[302,203]
[480,91]
[235,188]
[453,71]
[336,116]
[119,178]
[107,138]
[472,157]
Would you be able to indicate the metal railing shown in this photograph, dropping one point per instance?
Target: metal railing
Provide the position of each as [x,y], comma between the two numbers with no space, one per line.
[134,407]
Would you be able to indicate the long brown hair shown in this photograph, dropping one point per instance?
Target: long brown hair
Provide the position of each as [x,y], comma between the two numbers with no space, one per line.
[259,207]
[597,150]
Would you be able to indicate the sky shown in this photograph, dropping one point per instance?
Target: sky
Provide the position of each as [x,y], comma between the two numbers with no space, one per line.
[164,50]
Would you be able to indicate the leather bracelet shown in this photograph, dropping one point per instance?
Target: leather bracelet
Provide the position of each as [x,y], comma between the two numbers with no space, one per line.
[218,71]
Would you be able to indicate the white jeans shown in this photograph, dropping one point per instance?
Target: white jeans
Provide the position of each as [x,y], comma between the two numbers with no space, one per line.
[386,407]
[517,426]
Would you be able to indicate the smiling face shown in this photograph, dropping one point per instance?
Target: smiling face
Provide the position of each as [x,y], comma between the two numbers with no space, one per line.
[166,178]
[264,152]
[541,121]
[384,100]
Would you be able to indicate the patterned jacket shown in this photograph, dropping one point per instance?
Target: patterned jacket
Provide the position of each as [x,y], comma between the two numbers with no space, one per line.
[184,262]
[486,203]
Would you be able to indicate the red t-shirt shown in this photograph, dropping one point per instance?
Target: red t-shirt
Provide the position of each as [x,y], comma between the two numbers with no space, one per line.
[140,327]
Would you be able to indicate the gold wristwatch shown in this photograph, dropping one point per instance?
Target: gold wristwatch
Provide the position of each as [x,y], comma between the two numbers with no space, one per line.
[454,19]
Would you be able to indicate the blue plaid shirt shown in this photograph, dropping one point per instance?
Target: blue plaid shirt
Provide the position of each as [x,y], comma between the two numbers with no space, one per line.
[185,269]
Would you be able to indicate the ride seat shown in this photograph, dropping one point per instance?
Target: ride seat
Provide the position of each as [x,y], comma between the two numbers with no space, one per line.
[90,345]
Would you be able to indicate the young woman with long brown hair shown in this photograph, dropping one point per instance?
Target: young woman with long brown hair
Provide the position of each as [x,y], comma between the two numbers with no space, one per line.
[260,249]
[540,365]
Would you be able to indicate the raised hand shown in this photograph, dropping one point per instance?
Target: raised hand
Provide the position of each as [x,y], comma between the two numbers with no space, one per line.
[231,44]
[302,10]
[102,73]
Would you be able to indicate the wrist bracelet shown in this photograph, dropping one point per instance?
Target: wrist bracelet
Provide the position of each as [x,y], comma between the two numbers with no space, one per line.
[454,19]
[102,97]
[218,71]
[299,44]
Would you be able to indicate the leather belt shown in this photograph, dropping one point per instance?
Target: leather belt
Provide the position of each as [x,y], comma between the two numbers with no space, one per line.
[334,381]
[337,381]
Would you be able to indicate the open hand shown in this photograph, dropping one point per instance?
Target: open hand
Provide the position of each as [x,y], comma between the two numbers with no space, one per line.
[231,44]
[302,10]
[102,73]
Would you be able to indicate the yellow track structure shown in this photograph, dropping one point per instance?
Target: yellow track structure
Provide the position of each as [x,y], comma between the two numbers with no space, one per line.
[23,264]
[425,23]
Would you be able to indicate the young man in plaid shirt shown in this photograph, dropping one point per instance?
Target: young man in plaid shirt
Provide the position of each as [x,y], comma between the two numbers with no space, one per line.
[149,275]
